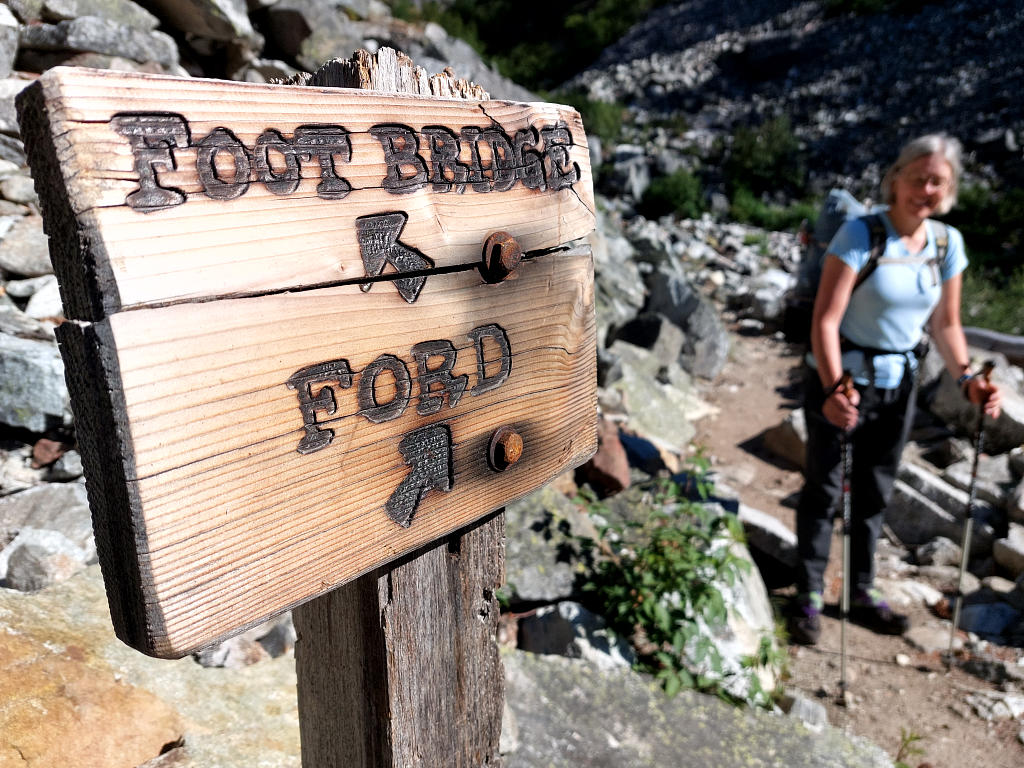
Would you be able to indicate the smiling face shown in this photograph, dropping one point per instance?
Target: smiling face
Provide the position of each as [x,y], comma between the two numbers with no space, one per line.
[920,187]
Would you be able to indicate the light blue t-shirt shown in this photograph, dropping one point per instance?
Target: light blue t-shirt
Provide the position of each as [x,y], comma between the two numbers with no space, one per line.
[889,310]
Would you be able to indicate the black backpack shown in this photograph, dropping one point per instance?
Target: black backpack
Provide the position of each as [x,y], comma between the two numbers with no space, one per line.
[839,207]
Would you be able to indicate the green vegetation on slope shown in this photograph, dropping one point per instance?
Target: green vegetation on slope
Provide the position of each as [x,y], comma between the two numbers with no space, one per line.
[536,50]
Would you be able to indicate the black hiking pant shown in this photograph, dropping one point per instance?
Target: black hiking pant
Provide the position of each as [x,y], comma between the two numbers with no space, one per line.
[885,419]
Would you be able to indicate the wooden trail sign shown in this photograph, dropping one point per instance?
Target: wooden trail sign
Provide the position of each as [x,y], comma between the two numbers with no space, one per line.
[285,365]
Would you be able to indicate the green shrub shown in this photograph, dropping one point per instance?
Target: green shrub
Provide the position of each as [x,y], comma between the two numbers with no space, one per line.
[992,223]
[659,577]
[679,193]
[749,209]
[546,48]
[766,158]
[991,301]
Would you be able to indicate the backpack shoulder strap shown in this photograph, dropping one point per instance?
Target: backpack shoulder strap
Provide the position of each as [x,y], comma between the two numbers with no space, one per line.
[877,237]
[941,232]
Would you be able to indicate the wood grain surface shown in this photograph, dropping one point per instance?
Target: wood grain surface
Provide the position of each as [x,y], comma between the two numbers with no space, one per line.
[237,524]
[263,241]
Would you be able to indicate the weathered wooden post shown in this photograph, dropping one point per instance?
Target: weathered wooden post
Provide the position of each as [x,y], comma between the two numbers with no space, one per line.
[316,337]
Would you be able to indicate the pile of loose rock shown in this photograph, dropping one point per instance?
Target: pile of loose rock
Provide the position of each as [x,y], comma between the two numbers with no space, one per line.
[846,82]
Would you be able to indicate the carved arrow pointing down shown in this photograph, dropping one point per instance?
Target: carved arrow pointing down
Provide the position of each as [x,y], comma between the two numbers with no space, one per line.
[429,452]
[379,245]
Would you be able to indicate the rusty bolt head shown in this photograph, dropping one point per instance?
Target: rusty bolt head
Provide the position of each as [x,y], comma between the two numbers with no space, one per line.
[505,449]
[501,256]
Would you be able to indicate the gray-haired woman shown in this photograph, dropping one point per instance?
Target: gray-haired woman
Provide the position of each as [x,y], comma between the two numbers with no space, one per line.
[872,326]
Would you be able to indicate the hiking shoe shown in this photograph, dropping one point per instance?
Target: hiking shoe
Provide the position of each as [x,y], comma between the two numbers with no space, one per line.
[869,610]
[804,625]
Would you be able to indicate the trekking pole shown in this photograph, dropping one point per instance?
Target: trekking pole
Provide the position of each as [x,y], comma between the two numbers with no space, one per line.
[965,544]
[846,460]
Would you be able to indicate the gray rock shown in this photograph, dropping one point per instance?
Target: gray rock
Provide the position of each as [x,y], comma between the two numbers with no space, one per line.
[570,714]
[8,41]
[930,638]
[225,20]
[541,530]
[1015,504]
[945,491]
[436,49]
[944,578]
[630,171]
[311,32]
[986,489]
[661,400]
[569,629]
[915,519]
[996,705]
[18,188]
[24,289]
[60,507]
[96,35]
[120,11]
[788,440]
[938,551]
[948,403]
[38,558]
[68,467]
[1016,462]
[17,473]
[24,250]
[620,290]
[16,323]
[1009,552]
[706,348]
[45,302]
[12,150]
[810,713]
[244,718]
[769,535]
[33,394]
[653,332]
[235,653]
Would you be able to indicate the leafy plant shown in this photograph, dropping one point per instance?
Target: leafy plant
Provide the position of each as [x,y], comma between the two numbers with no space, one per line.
[660,579]
[749,209]
[992,223]
[908,746]
[547,48]
[766,158]
[679,193]
[990,302]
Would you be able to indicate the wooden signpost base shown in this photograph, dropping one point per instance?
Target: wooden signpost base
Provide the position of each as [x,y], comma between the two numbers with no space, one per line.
[400,668]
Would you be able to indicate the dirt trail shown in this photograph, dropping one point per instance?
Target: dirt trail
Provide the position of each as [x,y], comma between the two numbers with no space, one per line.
[756,391]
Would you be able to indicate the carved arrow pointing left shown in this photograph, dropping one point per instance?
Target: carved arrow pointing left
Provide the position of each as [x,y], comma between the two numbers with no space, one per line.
[429,452]
[379,245]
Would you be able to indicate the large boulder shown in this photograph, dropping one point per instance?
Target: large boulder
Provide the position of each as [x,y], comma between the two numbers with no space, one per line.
[706,344]
[8,40]
[33,394]
[24,251]
[661,400]
[570,713]
[944,398]
[225,20]
[543,531]
[95,35]
[78,696]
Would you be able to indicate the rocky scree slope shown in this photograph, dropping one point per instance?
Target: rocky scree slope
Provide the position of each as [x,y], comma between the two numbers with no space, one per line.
[851,85]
